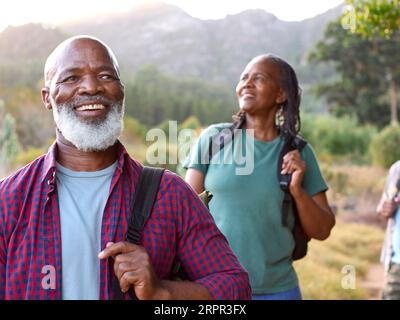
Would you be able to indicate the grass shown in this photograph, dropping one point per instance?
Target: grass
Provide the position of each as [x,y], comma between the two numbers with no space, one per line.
[355,189]
[350,244]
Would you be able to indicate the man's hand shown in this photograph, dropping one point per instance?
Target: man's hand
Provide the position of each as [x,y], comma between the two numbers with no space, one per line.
[389,207]
[133,268]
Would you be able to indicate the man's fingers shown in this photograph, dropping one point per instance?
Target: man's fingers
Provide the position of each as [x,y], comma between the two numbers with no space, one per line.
[127,280]
[116,248]
[121,268]
[109,244]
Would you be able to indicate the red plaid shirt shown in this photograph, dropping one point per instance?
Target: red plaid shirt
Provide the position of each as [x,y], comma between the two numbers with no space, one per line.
[180,225]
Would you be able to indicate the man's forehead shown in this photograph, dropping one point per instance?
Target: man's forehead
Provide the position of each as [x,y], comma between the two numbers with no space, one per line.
[78,51]
[85,51]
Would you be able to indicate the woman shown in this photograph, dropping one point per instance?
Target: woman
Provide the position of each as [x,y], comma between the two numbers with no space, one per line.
[247,208]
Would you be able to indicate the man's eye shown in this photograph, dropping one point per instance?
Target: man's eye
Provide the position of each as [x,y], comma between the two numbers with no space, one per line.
[243,78]
[106,77]
[260,78]
[70,79]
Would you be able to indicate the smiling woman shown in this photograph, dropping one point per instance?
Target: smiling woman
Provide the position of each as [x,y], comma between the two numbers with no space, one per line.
[250,208]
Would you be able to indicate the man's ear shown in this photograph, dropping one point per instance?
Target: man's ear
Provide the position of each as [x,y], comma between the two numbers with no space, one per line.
[46,98]
[282,97]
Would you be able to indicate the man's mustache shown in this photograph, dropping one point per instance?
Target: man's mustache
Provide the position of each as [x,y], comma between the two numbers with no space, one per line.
[98,98]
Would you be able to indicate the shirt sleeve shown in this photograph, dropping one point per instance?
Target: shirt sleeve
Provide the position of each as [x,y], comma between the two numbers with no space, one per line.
[313,182]
[2,251]
[391,181]
[199,153]
[203,250]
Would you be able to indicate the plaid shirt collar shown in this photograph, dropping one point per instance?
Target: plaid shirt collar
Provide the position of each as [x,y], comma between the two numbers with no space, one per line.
[48,174]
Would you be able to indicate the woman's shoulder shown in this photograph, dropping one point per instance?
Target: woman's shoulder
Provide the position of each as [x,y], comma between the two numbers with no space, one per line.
[308,153]
[219,126]
[215,128]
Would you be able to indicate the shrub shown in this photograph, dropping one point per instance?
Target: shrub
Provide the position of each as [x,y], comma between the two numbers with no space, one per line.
[28,156]
[134,131]
[385,146]
[342,137]
[191,122]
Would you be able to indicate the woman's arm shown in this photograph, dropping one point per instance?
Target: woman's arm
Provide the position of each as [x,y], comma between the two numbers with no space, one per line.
[195,178]
[316,217]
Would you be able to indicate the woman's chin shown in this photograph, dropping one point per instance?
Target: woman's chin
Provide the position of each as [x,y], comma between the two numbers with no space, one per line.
[245,107]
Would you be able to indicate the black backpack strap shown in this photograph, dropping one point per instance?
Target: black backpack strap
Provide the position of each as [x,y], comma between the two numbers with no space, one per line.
[289,144]
[143,202]
[299,142]
[217,142]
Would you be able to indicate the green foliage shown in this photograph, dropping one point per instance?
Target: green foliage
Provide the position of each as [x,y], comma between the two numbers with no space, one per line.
[9,144]
[28,156]
[385,146]
[376,17]
[153,97]
[366,68]
[34,123]
[338,136]
[134,131]
[191,123]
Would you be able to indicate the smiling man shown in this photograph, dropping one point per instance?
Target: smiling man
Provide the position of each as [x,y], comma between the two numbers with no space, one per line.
[64,217]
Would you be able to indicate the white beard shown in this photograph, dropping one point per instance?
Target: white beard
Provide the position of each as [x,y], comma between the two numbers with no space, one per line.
[89,136]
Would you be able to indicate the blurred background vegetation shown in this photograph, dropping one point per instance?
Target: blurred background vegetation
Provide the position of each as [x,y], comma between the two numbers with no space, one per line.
[176,67]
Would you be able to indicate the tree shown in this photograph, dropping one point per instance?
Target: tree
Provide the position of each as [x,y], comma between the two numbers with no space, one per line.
[376,20]
[153,97]
[9,144]
[366,69]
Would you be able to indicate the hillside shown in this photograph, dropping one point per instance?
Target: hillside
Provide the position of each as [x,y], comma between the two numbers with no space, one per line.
[178,44]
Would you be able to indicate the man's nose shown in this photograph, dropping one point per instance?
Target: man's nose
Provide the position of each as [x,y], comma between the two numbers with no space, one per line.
[91,85]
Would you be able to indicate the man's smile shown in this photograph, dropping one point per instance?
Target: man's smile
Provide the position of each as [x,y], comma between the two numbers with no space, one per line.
[91,110]
[90,107]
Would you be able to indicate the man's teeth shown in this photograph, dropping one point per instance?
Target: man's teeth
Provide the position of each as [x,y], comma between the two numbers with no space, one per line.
[91,107]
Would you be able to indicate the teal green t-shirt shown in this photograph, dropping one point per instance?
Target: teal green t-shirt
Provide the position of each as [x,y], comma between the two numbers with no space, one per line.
[247,207]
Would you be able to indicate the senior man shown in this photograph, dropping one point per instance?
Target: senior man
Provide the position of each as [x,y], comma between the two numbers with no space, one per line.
[64,217]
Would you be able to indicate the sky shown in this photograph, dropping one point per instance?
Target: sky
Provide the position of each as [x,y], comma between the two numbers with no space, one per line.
[16,12]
